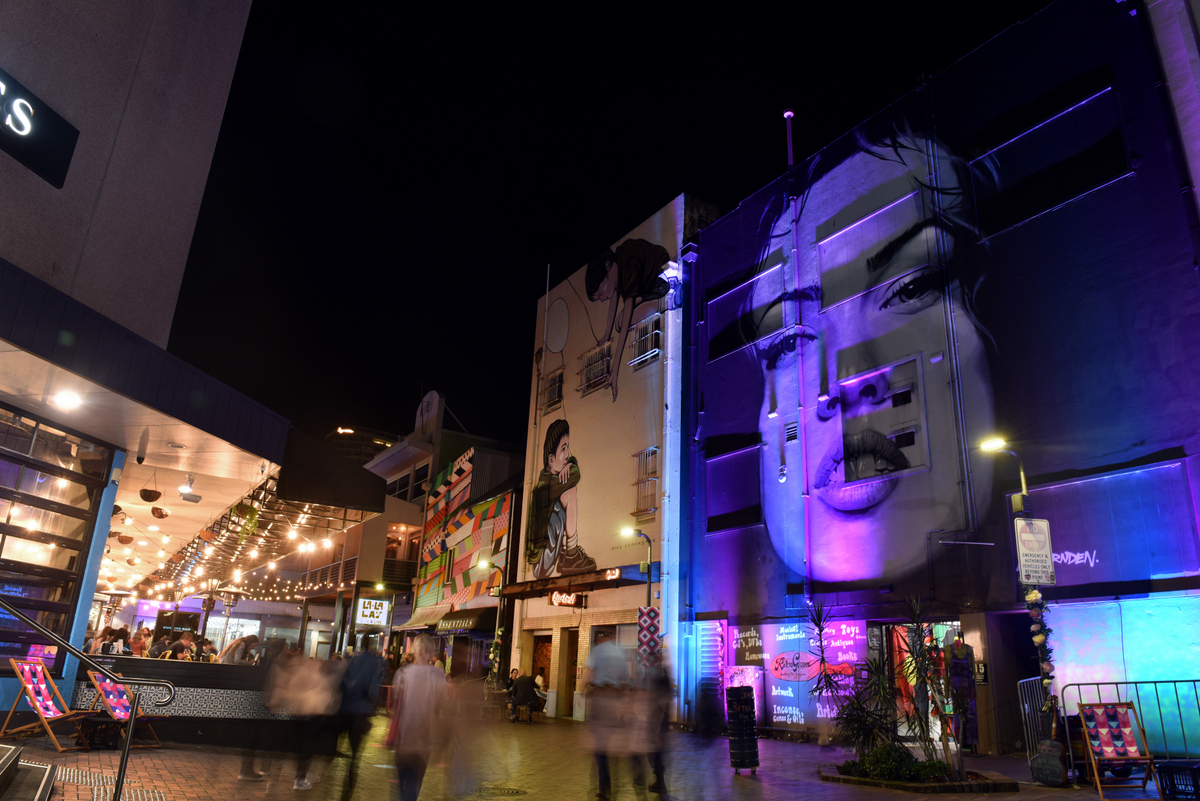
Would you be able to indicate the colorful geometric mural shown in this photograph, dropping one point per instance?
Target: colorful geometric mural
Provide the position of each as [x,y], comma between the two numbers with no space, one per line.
[457,535]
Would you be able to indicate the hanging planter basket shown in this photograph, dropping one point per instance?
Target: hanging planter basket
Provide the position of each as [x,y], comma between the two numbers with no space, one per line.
[162,513]
[151,495]
[176,558]
[208,536]
[124,539]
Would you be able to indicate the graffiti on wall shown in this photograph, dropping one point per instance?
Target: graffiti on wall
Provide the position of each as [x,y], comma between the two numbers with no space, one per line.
[552,540]
[458,535]
[626,278]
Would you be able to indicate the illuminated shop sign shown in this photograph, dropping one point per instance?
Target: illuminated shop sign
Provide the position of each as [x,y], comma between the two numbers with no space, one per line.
[35,134]
[567,599]
[372,612]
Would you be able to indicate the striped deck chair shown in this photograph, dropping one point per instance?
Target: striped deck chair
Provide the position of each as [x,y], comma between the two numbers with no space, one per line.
[1112,743]
[115,698]
[41,693]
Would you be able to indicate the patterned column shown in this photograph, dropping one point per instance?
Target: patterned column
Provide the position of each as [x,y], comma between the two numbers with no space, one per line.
[649,633]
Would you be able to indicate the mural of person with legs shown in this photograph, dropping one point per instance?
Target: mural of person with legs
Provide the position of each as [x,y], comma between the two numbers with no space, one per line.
[552,544]
[631,273]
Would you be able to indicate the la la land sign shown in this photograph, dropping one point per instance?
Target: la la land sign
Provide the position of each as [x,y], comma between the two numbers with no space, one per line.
[1035,555]
[372,612]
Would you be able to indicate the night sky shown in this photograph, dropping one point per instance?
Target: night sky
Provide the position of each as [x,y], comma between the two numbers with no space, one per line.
[386,192]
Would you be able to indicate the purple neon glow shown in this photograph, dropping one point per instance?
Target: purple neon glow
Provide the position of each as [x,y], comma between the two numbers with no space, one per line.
[862,220]
[1043,123]
[849,382]
[749,280]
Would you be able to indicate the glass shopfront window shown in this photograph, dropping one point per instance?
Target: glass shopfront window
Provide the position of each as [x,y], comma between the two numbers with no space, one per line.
[50,485]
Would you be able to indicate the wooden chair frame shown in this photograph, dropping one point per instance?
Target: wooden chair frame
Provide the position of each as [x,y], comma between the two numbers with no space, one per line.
[67,715]
[142,718]
[1099,764]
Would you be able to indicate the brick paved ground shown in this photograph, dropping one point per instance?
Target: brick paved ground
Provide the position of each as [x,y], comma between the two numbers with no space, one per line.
[542,761]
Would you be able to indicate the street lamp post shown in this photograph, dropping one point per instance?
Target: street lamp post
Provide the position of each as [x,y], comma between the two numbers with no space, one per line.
[1020,504]
[485,564]
[637,532]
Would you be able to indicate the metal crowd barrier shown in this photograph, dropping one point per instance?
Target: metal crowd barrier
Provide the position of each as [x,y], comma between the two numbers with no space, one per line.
[1168,711]
[1032,696]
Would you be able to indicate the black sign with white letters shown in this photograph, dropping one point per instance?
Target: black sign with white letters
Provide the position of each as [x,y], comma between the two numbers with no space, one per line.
[35,134]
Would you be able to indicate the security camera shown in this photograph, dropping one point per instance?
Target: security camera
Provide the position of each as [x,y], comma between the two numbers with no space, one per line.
[141,458]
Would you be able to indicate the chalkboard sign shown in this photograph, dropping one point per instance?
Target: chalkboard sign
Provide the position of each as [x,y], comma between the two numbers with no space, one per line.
[748,649]
[743,730]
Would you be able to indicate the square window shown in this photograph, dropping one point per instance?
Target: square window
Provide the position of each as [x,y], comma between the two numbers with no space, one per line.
[881,421]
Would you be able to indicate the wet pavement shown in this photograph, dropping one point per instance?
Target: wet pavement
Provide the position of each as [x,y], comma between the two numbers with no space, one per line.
[548,760]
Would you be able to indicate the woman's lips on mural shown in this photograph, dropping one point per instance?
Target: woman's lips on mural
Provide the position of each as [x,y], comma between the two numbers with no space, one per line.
[830,483]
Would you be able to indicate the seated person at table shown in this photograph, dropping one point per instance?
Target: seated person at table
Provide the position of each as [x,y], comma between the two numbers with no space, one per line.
[182,648]
[158,648]
[137,643]
[525,694]
[118,644]
[238,652]
[205,649]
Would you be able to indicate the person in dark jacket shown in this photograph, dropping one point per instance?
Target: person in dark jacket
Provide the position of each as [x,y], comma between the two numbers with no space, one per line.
[525,693]
[361,684]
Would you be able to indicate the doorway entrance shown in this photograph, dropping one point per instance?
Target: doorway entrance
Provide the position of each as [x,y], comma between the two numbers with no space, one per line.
[542,645]
[568,673]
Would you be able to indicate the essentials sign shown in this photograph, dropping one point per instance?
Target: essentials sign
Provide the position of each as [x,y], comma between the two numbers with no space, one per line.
[372,612]
[35,134]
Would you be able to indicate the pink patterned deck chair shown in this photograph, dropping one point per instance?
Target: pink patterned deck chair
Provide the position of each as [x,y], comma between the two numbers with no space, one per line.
[116,700]
[1111,731]
[42,695]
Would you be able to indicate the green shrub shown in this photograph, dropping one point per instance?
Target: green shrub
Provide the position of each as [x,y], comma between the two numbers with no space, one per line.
[894,762]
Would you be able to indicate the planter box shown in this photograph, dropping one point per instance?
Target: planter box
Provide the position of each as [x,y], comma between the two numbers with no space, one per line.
[994,783]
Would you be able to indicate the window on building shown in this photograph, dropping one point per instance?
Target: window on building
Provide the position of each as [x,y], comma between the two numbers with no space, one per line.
[552,391]
[645,484]
[399,487]
[879,406]
[50,484]
[595,368]
[749,310]
[646,345]
[419,477]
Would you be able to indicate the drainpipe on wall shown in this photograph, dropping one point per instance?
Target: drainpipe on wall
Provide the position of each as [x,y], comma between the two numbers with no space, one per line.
[792,276]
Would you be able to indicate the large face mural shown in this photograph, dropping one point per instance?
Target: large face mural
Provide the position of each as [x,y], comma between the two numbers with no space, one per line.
[885,306]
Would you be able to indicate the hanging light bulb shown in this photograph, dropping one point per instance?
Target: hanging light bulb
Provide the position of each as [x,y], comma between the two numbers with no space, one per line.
[253,553]
[270,565]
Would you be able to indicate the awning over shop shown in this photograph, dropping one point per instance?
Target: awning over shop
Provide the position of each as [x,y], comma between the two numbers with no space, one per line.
[483,619]
[622,576]
[426,616]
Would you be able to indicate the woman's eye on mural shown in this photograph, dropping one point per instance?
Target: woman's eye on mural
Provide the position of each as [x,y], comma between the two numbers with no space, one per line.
[914,292]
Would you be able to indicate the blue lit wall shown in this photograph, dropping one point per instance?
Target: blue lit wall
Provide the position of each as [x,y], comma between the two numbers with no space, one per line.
[1003,250]
[1152,639]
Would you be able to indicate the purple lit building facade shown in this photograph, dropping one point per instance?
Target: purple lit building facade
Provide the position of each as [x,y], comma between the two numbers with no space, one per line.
[1004,250]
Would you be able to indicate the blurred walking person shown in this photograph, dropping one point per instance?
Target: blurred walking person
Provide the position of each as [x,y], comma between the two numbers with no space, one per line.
[418,695]
[361,685]
[653,706]
[607,676]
